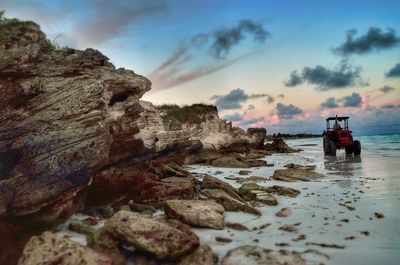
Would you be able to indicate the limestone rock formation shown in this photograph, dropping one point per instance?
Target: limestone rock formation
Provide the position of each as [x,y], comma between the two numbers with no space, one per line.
[50,249]
[165,240]
[201,213]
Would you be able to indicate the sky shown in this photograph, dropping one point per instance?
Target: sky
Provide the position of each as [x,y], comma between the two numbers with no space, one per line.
[284,65]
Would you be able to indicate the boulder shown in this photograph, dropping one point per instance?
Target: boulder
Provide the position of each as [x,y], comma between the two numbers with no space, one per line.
[279,146]
[229,203]
[228,161]
[203,255]
[196,212]
[285,191]
[103,241]
[250,191]
[259,256]
[210,182]
[48,248]
[296,174]
[164,240]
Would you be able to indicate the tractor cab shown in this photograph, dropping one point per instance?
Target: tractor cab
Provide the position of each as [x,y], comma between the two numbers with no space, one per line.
[338,136]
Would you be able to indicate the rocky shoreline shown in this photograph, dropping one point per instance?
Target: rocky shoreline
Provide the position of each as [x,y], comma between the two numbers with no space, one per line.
[75,137]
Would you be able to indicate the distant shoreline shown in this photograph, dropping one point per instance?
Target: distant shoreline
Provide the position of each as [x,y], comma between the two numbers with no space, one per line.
[292,137]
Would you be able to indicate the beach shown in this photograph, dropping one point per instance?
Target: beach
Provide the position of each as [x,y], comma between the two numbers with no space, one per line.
[350,216]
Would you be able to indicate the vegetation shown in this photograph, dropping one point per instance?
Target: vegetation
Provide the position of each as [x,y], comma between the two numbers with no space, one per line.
[195,113]
[293,136]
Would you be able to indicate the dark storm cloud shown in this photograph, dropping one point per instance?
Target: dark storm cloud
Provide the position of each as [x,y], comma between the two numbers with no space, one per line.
[344,75]
[249,122]
[294,79]
[394,72]
[233,117]
[107,19]
[281,96]
[390,106]
[386,89]
[330,103]
[233,99]
[374,40]
[224,39]
[250,107]
[354,100]
[287,111]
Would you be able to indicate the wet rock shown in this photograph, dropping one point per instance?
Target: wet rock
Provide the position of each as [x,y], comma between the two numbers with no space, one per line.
[103,241]
[285,191]
[285,212]
[229,203]
[289,228]
[253,192]
[244,172]
[296,174]
[229,161]
[142,208]
[259,256]
[297,166]
[165,240]
[210,182]
[379,215]
[223,239]
[81,228]
[325,245]
[48,248]
[236,226]
[196,212]
[203,255]
[204,157]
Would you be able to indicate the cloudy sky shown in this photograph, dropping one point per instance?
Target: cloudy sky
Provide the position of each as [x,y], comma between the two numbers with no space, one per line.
[285,65]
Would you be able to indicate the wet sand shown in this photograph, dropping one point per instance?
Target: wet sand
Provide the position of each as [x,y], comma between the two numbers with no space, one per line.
[339,215]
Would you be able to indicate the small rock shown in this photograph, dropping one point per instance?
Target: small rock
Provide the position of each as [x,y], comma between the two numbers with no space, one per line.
[379,215]
[236,226]
[285,212]
[289,228]
[228,161]
[223,239]
[210,182]
[244,172]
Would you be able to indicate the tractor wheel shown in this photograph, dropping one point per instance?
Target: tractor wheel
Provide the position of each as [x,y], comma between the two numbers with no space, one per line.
[349,149]
[326,145]
[357,147]
[332,148]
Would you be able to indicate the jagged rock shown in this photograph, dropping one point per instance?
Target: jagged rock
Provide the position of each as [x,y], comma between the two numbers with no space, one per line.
[229,161]
[210,182]
[204,157]
[257,136]
[284,212]
[282,190]
[164,240]
[279,146]
[196,212]
[251,191]
[260,256]
[203,255]
[229,203]
[51,249]
[296,174]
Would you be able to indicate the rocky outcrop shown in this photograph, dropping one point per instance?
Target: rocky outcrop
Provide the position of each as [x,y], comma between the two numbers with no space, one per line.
[200,120]
[165,240]
[51,249]
[203,255]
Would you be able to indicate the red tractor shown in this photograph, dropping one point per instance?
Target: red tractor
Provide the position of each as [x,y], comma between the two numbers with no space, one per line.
[338,136]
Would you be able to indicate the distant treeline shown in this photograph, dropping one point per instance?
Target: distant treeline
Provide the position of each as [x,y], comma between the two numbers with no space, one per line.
[293,136]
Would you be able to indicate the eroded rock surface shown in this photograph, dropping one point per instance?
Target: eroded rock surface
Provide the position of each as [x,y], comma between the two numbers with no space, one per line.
[165,240]
[51,249]
[203,255]
[296,174]
[202,213]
